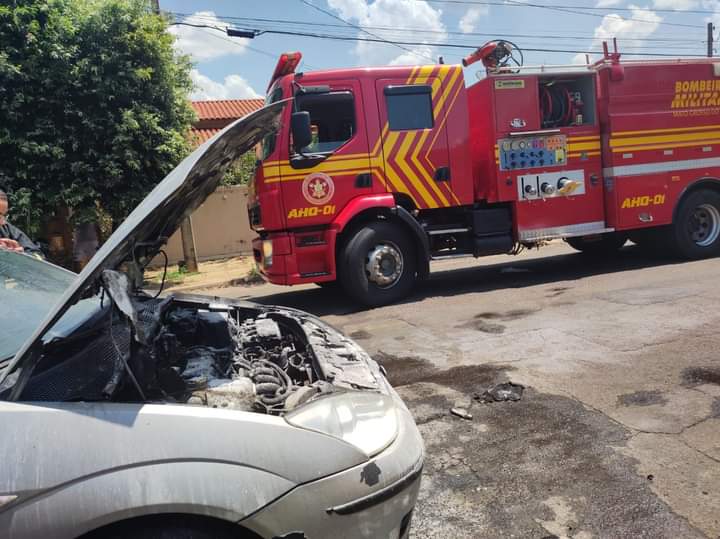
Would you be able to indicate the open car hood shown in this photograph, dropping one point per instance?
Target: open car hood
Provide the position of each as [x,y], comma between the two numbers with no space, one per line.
[141,236]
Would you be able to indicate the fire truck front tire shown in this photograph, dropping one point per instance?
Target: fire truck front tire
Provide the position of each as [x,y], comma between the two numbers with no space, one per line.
[378,264]
[695,233]
[602,244]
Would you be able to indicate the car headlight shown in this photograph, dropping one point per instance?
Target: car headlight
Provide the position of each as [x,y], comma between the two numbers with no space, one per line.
[267,248]
[366,420]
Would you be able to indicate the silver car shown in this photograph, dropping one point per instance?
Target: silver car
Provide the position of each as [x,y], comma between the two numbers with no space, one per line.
[128,415]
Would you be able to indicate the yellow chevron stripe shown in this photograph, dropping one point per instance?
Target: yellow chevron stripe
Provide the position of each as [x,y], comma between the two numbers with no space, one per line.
[446,92]
[390,173]
[584,154]
[416,182]
[426,174]
[578,139]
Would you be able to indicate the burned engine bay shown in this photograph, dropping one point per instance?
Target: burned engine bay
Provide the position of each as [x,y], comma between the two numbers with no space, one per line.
[238,356]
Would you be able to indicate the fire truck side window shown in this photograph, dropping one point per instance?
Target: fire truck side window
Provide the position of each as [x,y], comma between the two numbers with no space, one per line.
[332,117]
[409,107]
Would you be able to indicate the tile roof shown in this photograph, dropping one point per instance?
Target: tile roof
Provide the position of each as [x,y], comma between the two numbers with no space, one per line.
[214,115]
[198,136]
[226,108]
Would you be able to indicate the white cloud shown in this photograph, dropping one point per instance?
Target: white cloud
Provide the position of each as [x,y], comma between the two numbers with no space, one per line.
[607,3]
[713,5]
[680,5]
[469,21]
[640,24]
[205,43]
[234,87]
[394,14]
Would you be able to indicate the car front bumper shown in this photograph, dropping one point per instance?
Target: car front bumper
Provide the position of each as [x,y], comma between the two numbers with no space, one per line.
[372,500]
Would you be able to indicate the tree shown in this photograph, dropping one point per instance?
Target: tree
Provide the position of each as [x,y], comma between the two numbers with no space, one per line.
[93,106]
[241,171]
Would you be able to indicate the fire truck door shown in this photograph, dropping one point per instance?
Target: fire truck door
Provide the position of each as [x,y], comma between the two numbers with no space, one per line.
[318,180]
[415,153]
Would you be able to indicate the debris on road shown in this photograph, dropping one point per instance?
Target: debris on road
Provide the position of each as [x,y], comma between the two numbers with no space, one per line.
[507,391]
[461,413]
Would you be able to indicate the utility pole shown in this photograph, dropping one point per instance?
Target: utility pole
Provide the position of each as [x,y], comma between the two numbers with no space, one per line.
[710,29]
[188,245]
[187,235]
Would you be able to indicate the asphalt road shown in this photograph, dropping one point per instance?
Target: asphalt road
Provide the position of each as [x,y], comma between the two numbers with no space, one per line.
[617,433]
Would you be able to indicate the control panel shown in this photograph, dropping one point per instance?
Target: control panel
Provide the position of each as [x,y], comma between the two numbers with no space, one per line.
[551,185]
[532,152]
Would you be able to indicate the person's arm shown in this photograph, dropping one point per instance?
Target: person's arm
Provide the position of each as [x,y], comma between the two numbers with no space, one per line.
[28,245]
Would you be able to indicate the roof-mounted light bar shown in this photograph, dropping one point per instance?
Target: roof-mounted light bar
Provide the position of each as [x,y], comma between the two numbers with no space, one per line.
[287,63]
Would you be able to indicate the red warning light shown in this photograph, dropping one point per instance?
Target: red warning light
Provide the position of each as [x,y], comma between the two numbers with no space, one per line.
[286,64]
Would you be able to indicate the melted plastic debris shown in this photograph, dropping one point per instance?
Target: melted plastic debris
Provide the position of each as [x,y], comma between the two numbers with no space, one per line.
[507,391]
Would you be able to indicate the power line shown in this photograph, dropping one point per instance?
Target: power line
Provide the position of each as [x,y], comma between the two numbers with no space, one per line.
[380,39]
[402,43]
[444,45]
[574,11]
[588,8]
[261,22]
[244,45]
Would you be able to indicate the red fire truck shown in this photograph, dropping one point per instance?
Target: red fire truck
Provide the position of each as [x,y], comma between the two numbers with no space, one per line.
[374,172]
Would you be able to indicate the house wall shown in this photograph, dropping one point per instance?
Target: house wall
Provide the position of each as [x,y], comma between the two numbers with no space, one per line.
[220,226]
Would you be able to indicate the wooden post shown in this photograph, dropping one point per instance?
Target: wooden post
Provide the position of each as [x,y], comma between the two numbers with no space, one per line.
[188,245]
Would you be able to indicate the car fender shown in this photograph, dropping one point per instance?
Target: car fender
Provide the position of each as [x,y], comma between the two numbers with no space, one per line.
[217,489]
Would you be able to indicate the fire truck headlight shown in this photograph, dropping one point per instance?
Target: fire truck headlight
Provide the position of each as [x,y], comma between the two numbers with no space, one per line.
[267,247]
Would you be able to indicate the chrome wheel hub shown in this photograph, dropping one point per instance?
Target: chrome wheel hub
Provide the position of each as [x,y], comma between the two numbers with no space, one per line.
[704,225]
[384,264]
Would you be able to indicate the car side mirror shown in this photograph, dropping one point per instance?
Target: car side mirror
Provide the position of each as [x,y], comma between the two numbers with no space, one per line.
[300,128]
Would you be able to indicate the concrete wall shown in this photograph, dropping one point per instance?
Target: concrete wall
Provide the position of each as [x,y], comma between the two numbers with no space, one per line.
[221,227]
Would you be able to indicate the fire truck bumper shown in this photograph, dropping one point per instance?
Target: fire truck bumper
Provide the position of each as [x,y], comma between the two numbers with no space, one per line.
[289,258]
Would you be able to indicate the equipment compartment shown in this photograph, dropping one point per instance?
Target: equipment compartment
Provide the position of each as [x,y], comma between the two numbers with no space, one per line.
[566,100]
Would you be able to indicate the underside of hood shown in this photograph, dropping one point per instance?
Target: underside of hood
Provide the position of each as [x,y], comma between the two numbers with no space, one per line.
[141,236]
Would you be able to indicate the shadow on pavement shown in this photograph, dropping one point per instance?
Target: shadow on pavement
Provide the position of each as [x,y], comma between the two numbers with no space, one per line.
[511,274]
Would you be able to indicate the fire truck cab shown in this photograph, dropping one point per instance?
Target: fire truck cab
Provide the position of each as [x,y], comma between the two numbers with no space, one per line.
[374,172]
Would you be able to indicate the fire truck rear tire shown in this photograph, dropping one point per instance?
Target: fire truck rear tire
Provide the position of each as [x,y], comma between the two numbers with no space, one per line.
[605,244]
[695,232]
[378,264]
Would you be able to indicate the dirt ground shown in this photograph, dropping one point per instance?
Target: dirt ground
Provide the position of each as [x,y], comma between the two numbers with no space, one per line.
[617,432]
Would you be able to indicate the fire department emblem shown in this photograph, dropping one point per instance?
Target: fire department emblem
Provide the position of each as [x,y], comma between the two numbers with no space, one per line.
[318,188]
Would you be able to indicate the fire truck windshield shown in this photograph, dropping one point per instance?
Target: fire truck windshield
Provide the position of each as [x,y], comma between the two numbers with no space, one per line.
[267,145]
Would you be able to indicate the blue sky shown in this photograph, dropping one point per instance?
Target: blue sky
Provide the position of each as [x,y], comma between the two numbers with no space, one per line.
[227,68]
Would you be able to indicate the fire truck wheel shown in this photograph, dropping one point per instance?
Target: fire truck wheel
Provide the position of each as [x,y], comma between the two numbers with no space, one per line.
[378,265]
[696,230]
[598,245]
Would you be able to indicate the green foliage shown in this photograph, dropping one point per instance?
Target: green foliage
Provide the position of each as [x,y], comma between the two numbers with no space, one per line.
[241,171]
[93,106]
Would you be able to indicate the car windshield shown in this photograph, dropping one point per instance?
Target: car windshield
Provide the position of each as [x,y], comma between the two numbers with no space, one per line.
[29,289]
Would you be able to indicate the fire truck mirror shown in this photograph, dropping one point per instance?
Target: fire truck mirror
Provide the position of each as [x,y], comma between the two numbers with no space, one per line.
[301,131]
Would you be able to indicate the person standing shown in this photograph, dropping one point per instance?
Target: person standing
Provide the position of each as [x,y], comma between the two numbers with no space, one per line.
[11,237]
